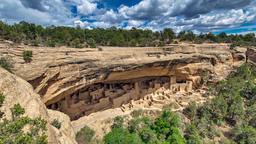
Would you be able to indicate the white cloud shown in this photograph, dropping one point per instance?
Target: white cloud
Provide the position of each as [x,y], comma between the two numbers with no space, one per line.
[135,23]
[197,15]
[86,7]
[55,13]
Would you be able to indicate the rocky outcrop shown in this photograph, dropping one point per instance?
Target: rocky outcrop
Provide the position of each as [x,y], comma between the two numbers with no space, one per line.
[251,55]
[82,81]
[17,90]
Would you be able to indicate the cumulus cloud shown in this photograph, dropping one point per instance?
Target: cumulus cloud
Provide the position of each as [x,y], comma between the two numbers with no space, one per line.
[197,15]
[221,18]
[196,7]
[86,7]
[47,12]
[191,14]
[34,4]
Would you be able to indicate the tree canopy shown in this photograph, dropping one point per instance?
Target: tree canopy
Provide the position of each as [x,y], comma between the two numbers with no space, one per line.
[36,35]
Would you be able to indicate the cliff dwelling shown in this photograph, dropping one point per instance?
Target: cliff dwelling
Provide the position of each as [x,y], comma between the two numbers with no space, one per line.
[113,94]
[87,80]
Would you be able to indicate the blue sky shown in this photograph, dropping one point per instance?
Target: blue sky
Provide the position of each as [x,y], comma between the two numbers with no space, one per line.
[231,16]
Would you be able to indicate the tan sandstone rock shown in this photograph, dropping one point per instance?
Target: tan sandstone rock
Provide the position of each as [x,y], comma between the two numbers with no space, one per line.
[79,82]
[17,90]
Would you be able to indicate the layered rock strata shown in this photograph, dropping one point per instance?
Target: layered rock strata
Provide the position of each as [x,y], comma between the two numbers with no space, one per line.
[18,91]
[82,81]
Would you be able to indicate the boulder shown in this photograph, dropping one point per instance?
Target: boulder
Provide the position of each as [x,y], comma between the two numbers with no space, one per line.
[18,91]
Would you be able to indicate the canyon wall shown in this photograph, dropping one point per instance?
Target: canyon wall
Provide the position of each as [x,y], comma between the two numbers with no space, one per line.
[18,91]
[82,81]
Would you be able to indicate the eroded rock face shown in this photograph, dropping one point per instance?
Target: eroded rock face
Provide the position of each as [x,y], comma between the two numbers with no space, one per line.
[251,55]
[17,90]
[81,81]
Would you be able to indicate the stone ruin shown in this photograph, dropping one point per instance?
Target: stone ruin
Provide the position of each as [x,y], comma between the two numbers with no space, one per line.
[113,94]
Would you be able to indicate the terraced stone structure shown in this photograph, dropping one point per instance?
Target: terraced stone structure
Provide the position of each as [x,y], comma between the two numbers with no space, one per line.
[113,94]
[79,82]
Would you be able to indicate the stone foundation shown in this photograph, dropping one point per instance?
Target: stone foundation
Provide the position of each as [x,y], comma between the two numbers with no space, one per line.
[101,96]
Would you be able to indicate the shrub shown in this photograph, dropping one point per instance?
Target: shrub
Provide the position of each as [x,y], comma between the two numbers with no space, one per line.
[1,99]
[35,42]
[76,43]
[100,49]
[27,56]
[11,130]
[56,123]
[85,135]
[50,43]
[148,136]
[92,43]
[6,63]
[1,103]
[190,110]
[118,122]
[137,113]
[245,135]
[17,111]
[192,135]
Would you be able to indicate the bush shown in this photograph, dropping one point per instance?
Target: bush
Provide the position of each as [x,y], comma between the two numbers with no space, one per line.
[92,43]
[6,63]
[148,135]
[17,111]
[27,56]
[35,42]
[100,49]
[137,113]
[76,43]
[1,103]
[50,43]
[190,110]
[11,130]
[245,135]
[192,135]
[56,123]
[118,122]
[85,135]
[1,99]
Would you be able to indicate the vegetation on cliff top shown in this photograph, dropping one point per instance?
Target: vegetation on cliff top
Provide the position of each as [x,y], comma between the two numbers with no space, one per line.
[228,118]
[36,35]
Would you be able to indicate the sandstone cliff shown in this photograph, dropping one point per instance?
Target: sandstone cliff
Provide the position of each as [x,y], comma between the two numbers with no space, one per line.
[81,81]
[17,90]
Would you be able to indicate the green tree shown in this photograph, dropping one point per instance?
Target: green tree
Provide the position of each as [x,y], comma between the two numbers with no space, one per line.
[167,126]
[168,35]
[121,136]
[175,137]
